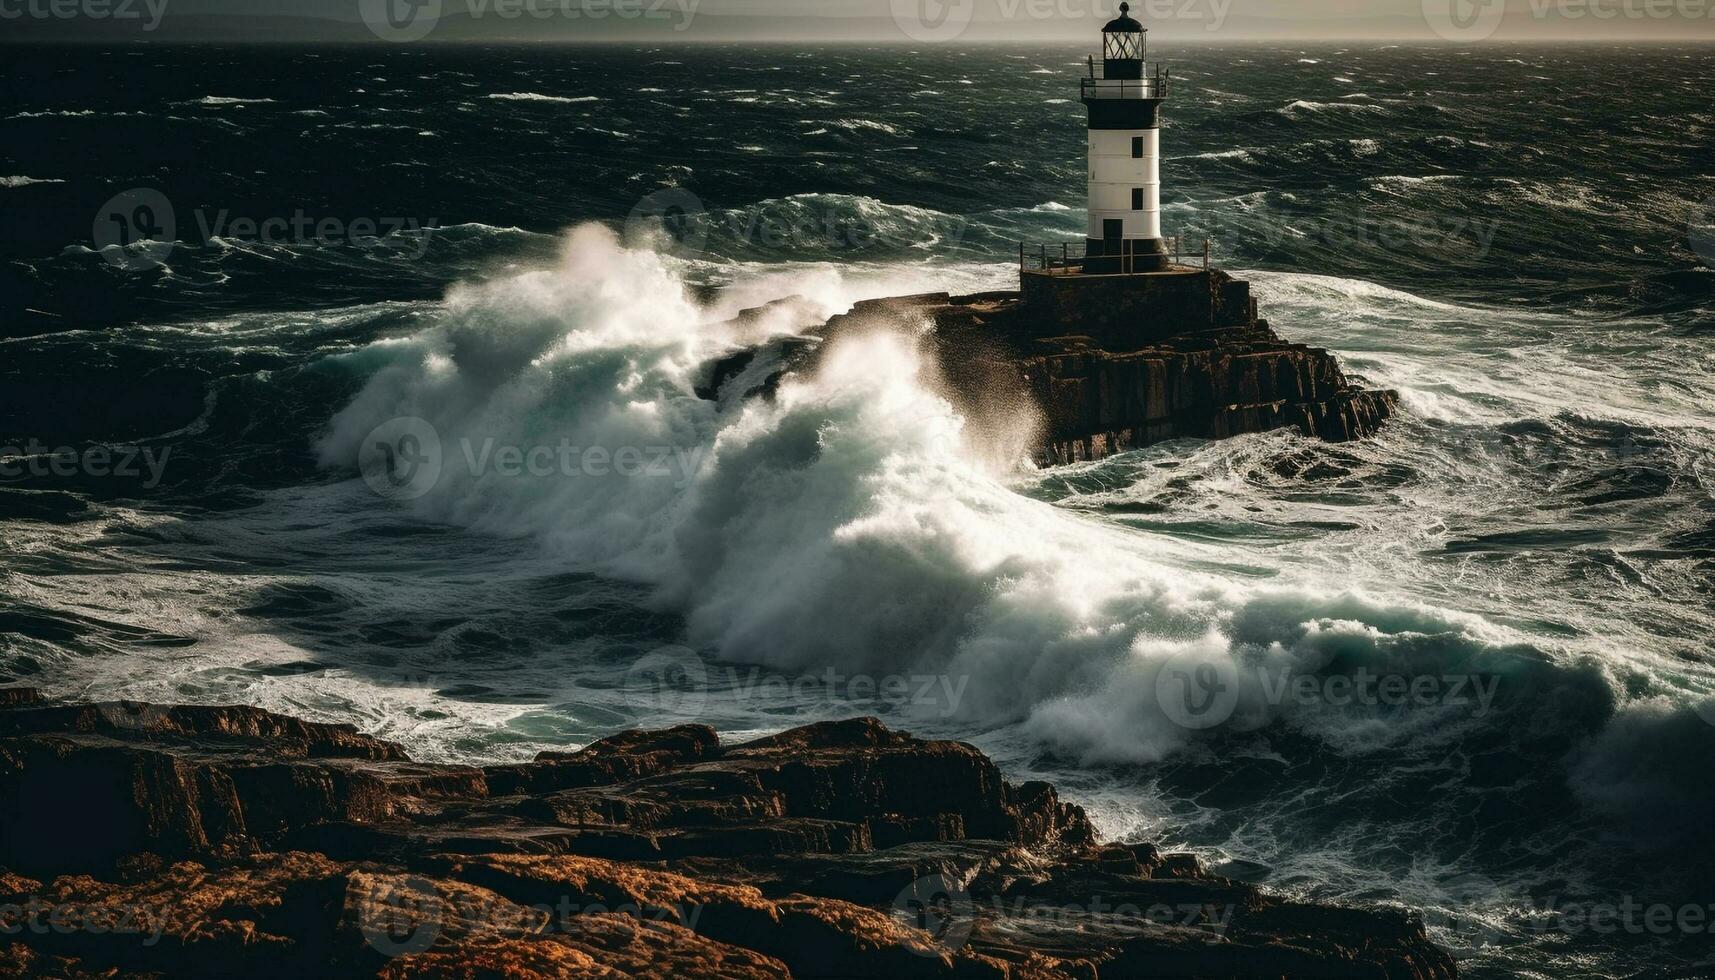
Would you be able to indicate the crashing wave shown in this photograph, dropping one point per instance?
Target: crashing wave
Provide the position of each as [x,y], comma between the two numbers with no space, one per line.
[855,495]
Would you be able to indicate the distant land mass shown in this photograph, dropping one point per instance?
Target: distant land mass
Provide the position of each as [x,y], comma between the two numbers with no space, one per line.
[1174,21]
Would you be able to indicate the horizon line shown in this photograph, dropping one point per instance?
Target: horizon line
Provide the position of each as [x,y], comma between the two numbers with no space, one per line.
[1417,41]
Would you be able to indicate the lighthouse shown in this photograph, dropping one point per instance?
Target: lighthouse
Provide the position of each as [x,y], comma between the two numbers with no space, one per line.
[1125,281]
[1124,100]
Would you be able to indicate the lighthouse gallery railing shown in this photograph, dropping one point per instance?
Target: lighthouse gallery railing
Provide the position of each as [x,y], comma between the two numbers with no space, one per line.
[1097,86]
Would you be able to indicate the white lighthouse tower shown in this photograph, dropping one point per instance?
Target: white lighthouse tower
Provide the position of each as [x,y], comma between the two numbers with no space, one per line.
[1124,100]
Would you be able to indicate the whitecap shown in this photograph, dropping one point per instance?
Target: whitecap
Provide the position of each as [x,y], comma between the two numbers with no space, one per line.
[1303,107]
[54,114]
[1240,154]
[538,97]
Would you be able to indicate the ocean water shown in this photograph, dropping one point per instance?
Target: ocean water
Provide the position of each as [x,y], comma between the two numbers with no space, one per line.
[1517,240]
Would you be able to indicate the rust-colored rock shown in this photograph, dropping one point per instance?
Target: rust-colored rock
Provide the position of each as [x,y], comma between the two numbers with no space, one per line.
[222,842]
[600,947]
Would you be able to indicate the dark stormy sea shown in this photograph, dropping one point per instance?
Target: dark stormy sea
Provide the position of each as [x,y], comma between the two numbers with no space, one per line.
[1517,240]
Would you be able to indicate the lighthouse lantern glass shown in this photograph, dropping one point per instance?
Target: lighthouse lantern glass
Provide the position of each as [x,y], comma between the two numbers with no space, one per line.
[1122,47]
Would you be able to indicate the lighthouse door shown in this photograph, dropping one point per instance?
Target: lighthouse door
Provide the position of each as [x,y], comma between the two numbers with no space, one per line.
[1113,229]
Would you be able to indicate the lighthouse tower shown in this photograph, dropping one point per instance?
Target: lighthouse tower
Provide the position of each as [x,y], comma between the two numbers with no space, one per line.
[1124,99]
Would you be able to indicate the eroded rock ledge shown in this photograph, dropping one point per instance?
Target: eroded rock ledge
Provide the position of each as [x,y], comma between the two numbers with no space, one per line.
[1116,363]
[203,842]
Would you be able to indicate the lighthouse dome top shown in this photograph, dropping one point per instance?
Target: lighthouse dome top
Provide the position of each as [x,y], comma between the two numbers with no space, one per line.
[1123,24]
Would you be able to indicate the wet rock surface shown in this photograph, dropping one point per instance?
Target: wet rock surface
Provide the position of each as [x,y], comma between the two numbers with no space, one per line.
[1109,364]
[141,840]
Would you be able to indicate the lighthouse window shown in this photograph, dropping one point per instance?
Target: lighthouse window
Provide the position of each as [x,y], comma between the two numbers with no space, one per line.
[1137,199]
[1137,148]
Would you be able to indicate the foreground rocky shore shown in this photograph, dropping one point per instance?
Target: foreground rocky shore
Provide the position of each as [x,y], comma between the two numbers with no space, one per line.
[214,841]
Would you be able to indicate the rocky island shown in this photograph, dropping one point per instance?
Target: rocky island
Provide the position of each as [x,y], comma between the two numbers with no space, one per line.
[1105,363]
[145,840]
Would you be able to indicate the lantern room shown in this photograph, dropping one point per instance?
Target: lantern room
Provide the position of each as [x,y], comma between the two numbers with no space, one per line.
[1125,44]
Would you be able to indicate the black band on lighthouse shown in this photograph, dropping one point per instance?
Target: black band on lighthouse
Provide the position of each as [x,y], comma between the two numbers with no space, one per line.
[1124,113]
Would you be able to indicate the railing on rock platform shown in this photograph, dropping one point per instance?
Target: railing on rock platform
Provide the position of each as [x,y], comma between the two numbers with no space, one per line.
[1069,258]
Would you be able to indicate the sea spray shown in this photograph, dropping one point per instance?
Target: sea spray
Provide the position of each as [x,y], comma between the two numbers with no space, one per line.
[853,496]
[1549,473]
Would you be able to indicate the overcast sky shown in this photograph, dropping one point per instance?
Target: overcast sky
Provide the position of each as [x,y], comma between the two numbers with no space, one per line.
[896,21]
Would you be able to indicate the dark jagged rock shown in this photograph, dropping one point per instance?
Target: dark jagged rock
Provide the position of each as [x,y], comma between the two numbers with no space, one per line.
[1116,363]
[1099,404]
[204,842]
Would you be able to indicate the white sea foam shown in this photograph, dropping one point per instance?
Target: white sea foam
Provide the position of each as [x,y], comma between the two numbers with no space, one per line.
[1302,108]
[859,495]
[26,181]
[856,125]
[1238,154]
[54,114]
[539,97]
